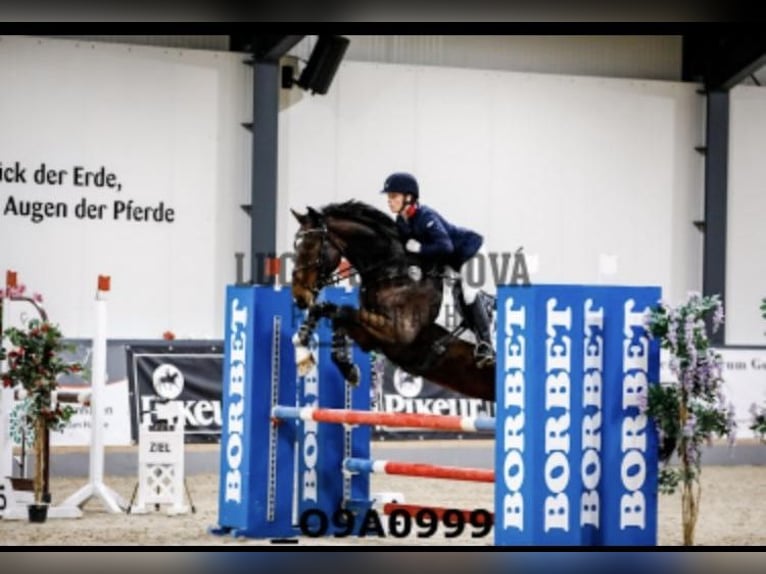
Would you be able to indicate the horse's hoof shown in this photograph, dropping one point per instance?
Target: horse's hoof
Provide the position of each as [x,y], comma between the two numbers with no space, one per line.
[305,368]
[302,353]
[354,377]
[304,361]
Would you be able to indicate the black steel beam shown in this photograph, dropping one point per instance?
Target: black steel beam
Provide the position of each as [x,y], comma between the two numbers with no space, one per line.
[266,51]
[723,58]
[273,48]
[263,217]
[716,177]
[740,66]
[264,46]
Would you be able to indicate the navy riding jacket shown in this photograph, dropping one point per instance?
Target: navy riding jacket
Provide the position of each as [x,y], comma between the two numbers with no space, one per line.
[440,241]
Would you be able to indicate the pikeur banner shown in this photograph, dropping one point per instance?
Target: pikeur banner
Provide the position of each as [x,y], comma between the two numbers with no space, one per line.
[395,391]
[192,373]
[187,372]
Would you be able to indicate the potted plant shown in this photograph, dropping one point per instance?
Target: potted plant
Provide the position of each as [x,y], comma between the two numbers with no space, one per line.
[758,414]
[758,422]
[34,364]
[688,411]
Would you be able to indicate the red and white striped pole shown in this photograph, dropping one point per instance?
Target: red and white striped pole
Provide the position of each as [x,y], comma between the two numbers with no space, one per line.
[417,469]
[399,420]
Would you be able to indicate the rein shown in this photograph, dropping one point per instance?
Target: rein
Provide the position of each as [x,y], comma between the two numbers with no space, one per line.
[335,276]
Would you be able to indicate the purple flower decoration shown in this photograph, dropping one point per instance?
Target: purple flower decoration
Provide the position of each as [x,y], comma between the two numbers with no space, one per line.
[643,402]
[698,370]
[692,452]
[687,379]
[674,366]
[689,339]
[690,425]
[673,330]
[647,321]
[718,316]
[731,425]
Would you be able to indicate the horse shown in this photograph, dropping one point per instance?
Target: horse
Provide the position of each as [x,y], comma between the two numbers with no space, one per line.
[399,299]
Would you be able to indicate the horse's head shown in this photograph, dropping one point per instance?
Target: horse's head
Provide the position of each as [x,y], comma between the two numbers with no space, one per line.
[316,257]
[365,236]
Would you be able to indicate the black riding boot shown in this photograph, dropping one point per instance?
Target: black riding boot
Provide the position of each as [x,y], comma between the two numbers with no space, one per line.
[481,323]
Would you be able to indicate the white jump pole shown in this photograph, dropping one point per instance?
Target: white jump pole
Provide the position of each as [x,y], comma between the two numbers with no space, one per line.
[96,488]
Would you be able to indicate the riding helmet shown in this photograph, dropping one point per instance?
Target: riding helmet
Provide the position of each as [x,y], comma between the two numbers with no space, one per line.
[402,183]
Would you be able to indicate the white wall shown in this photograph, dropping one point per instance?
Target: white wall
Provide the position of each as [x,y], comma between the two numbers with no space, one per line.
[746,232]
[167,123]
[568,167]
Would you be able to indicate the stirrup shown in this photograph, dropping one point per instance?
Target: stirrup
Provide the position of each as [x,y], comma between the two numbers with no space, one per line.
[483,353]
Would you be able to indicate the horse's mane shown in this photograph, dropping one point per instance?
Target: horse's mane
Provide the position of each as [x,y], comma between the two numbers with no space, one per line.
[365,214]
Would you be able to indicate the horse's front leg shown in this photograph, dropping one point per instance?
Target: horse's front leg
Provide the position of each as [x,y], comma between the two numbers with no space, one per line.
[369,330]
[343,320]
[342,356]
[346,324]
[304,357]
[309,325]
[340,352]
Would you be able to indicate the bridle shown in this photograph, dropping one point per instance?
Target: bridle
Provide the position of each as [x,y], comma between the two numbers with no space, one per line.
[334,277]
[323,279]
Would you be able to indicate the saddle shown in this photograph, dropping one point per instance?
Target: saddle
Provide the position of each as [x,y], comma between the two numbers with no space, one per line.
[455,318]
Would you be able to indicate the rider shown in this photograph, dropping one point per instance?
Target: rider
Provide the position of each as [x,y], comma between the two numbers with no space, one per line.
[426,232]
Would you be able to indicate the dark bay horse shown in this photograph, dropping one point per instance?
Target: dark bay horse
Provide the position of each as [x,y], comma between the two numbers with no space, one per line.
[399,299]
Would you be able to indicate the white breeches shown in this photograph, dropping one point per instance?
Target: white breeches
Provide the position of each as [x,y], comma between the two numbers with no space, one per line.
[470,289]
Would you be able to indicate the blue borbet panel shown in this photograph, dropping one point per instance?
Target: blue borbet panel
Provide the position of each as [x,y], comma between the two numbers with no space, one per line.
[575,460]
[262,490]
[321,446]
[255,493]
[539,381]
[629,501]
[592,467]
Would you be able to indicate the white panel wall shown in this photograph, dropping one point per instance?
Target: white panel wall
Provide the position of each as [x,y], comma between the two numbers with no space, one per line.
[570,167]
[746,232]
[567,167]
[167,124]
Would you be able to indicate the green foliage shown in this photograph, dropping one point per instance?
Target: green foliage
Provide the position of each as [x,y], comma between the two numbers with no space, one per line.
[34,363]
[758,425]
[690,410]
[758,422]
[669,479]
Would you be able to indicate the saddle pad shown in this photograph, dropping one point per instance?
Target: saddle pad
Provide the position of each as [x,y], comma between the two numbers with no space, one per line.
[450,315]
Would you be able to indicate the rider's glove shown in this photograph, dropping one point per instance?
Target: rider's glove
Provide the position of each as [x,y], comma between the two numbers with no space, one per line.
[413,246]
